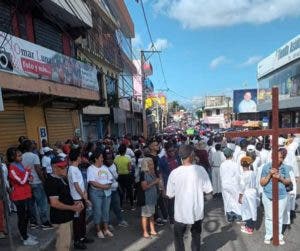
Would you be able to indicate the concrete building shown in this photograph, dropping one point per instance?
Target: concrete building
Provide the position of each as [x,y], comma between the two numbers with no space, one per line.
[44,86]
[281,69]
[217,111]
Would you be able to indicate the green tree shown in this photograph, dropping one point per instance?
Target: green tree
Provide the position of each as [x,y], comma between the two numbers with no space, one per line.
[199,114]
[174,106]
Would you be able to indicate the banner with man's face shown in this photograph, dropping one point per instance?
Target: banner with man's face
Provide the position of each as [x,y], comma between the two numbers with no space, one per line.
[245,101]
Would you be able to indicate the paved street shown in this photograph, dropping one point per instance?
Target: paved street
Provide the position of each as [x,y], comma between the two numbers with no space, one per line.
[217,235]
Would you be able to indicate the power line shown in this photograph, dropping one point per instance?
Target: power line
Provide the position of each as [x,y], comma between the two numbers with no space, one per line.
[152,43]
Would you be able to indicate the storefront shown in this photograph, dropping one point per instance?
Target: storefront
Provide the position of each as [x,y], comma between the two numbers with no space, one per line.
[61,123]
[42,93]
[118,126]
[12,124]
[95,123]
[137,125]
[281,69]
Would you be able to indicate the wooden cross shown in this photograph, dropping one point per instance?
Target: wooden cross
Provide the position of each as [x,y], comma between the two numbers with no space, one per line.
[275,132]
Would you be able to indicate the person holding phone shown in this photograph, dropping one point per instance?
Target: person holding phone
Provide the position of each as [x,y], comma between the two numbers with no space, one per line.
[100,181]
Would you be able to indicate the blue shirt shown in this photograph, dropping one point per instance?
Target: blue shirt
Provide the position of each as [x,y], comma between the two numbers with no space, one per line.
[284,172]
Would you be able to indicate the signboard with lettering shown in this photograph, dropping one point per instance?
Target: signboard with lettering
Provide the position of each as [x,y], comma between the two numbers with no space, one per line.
[43,133]
[23,58]
[282,56]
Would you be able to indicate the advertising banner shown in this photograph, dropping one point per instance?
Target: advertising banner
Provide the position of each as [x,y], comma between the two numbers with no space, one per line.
[23,58]
[245,101]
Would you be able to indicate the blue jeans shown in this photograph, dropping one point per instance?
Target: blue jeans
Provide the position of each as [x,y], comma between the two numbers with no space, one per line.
[116,206]
[40,199]
[101,205]
[268,216]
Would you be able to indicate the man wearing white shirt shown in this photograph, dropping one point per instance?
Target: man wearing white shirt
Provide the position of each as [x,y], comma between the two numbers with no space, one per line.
[187,183]
[79,194]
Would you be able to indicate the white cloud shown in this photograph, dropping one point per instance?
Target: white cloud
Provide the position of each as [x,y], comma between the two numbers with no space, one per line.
[251,61]
[193,14]
[160,44]
[216,62]
[137,42]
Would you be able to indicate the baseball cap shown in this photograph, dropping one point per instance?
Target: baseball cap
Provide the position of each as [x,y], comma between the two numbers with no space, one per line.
[58,161]
[250,148]
[47,149]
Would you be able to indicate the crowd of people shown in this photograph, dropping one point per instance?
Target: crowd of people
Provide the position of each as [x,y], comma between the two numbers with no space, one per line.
[166,176]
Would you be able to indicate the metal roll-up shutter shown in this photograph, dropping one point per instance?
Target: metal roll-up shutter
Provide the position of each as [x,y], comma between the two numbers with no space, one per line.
[5,18]
[48,35]
[12,125]
[59,124]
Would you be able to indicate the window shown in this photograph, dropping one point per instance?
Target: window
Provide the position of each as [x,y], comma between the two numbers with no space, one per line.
[287,80]
[111,89]
[48,35]
[217,111]
[208,113]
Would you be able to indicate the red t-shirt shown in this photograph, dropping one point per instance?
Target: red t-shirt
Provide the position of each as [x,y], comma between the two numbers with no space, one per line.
[19,191]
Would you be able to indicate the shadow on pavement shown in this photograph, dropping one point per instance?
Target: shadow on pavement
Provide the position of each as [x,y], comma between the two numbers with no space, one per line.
[217,240]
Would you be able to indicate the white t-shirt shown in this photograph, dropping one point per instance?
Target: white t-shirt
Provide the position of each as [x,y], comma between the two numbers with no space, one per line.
[130,153]
[46,163]
[30,159]
[100,175]
[75,175]
[114,175]
[187,184]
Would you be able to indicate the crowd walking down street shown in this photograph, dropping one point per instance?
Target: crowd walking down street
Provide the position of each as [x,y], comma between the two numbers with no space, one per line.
[147,193]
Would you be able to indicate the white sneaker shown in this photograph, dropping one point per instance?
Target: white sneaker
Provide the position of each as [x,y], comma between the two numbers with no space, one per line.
[281,242]
[32,237]
[123,224]
[100,235]
[108,233]
[268,242]
[30,242]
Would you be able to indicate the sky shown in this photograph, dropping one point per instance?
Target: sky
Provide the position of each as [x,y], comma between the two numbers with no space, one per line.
[211,47]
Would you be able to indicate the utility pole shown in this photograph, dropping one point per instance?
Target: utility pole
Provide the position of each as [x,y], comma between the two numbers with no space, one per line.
[143,60]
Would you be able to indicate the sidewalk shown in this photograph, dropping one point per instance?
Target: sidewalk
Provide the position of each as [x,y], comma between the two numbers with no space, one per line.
[45,237]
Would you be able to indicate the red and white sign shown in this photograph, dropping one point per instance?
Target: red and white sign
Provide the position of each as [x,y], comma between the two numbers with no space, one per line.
[23,58]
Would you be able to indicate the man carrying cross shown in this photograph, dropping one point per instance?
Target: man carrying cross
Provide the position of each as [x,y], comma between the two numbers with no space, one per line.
[283,177]
[275,173]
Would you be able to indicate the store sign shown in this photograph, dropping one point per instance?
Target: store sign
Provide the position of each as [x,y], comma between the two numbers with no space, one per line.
[282,56]
[124,104]
[265,122]
[1,101]
[43,134]
[23,58]
[137,107]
